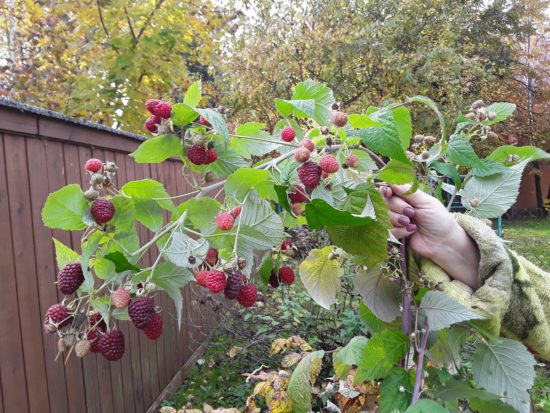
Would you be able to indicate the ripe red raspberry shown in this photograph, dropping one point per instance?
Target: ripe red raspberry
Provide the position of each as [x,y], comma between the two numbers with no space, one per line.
[102,210]
[204,122]
[339,118]
[216,281]
[211,257]
[301,155]
[310,174]
[96,322]
[211,156]
[329,164]
[141,311]
[201,278]
[111,345]
[151,104]
[151,124]
[93,165]
[324,175]
[93,337]
[154,330]
[352,161]
[197,154]
[57,314]
[247,295]
[70,278]
[224,221]
[308,144]
[273,279]
[163,110]
[236,212]
[234,284]
[120,297]
[286,275]
[299,194]
[286,245]
[288,134]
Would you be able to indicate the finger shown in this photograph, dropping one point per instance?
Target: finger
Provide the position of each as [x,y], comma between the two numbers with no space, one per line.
[398,205]
[400,232]
[416,199]
[399,220]
[386,192]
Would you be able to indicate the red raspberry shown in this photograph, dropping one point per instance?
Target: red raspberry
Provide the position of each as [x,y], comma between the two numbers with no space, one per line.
[236,212]
[339,118]
[286,245]
[286,275]
[247,295]
[273,279]
[151,104]
[163,110]
[352,161]
[70,278]
[151,124]
[301,155]
[141,311]
[120,297]
[201,278]
[211,257]
[234,284]
[57,314]
[93,165]
[297,209]
[329,164]
[111,345]
[197,154]
[154,330]
[299,194]
[324,175]
[93,337]
[224,221]
[102,210]
[211,156]
[308,144]
[96,322]
[216,281]
[288,134]
[204,122]
[310,174]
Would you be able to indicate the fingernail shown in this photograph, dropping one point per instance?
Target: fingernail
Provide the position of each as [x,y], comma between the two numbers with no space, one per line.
[404,221]
[384,190]
[411,228]
[409,212]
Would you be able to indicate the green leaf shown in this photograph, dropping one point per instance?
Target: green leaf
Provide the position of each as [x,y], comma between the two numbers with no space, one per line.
[193,95]
[502,110]
[242,181]
[362,121]
[181,247]
[158,149]
[63,254]
[282,196]
[524,152]
[426,406]
[488,168]
[302,380]
[397,172]
[248,147]
[444,353]
[382,352]
[320,214]
[65,209]
[349,356]
[506,368]
[449,170]
[265,267]
[183,114]
[121,262]
[201,212]
[124,222]
[391,398]
[379,140]
[493,406]
[460,152]
[105,269]
[442,311]
[396,122]
[121,314]
[431,104]
[382,296]
[321,276]
[493,195]
[217,121]
[373,324]
[453,390]
[310,99]
[89,248]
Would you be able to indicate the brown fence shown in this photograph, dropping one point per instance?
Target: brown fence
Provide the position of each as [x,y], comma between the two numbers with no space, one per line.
[40,152]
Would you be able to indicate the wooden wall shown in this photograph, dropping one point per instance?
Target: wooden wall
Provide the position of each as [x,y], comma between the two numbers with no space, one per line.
[40,153]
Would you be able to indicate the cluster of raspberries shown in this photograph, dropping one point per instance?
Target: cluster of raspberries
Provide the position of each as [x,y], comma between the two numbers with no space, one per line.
[201,155]
[159,110]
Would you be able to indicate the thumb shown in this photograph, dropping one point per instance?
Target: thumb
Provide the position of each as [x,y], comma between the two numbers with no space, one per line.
[417,199]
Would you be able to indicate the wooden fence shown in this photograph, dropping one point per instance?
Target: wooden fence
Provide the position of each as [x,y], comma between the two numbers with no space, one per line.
[41,151]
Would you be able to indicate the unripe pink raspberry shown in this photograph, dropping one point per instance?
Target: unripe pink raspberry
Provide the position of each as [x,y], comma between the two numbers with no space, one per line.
[302,154]
[93,165]
[339,119]
[224,221]
[204,122]
[163,109]
[308,143]
[288,134]
[236,212]
[120,297]
[352,161]
[296,208]
[329,164]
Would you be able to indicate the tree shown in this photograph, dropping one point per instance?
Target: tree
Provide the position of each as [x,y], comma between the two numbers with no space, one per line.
[96,58]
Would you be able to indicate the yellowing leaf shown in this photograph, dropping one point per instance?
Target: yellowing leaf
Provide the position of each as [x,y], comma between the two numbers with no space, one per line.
[321,276]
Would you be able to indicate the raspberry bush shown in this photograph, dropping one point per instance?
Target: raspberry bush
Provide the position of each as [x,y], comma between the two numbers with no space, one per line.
[318,167]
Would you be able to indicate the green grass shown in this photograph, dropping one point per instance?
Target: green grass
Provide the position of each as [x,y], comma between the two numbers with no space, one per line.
[530,238]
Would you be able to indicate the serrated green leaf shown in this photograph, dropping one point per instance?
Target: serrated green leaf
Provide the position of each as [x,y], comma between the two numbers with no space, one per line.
[382,296]
[320,214]
[383,351]
[397,172]
[302,380]
[444,353]
[63,254]
[362,121]
[158,149]
[201,212]
[265,267]
[321,276]
[149,190]
[183,114]
[282,197]
[121,262]
[228,162]
[65,209]
[488,168]
[121,314]
[181,247]
[104,269]
[242,181]
[310,99]
[349,356]
[502,111]
[381,142]
[453,390]
[373,324]
[460,152]
[442,311]
[449,170]
[248,147]
[217,121]
[193,95]
[391,396]
[524,152]
[426,406]
[493,406]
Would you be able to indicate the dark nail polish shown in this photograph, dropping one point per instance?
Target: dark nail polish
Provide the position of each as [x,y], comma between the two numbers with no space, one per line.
[409,212]
[411,228]
[403,221]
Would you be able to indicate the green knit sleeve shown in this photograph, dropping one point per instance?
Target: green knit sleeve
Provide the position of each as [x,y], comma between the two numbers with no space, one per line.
[514,296]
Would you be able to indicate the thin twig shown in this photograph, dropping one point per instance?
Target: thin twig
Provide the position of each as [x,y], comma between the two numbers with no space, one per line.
[130,24]
[420,365]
